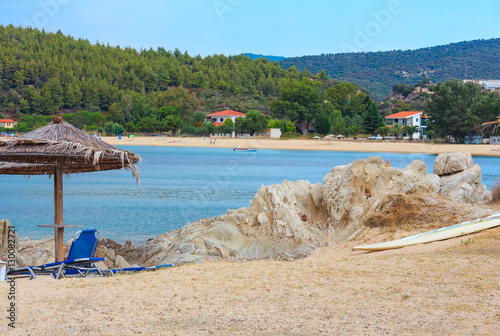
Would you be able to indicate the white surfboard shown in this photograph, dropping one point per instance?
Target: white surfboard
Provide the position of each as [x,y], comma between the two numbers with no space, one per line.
[435,235]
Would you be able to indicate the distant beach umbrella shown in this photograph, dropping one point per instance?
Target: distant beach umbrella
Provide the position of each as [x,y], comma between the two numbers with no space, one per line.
[60,148]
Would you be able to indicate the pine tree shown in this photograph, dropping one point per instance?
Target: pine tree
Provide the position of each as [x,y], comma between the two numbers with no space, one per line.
[373,118]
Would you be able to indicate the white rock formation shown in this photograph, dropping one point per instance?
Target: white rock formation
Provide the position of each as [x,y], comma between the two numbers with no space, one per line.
[273,226]
[292,219]
[452,163]
[460,180]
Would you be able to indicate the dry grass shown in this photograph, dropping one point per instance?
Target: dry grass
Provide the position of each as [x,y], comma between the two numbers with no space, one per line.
[399,211]
[445,288]
[403,213]
[495,190]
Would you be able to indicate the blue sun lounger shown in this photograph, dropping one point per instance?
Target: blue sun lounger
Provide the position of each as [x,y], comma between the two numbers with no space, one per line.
[80,261]
[138,269]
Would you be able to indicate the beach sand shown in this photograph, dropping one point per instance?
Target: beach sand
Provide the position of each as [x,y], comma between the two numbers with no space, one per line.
[306,144]
[441,288]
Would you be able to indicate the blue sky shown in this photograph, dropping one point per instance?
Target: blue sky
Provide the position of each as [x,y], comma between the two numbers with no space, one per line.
[279,27]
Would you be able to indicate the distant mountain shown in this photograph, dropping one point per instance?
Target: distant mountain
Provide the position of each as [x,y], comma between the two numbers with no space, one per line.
[271,58]
[379,71]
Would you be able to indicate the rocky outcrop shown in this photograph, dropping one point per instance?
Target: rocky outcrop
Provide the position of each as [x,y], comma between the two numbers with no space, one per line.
[274,226]
[357,191]
[460,179]
[292,219]
[452,163]
[6,238]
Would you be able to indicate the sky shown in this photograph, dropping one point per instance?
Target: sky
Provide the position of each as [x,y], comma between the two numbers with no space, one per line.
[272,27]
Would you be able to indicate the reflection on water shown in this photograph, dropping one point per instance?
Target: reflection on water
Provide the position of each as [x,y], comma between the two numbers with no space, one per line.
[178,186]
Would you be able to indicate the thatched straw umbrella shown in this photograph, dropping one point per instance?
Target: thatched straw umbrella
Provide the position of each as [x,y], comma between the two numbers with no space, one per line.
[56,149]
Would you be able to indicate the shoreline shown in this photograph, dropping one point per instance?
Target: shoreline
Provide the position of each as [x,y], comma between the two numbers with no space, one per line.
[306,144]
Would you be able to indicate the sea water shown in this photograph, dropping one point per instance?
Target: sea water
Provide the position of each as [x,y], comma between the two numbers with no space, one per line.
[178,185]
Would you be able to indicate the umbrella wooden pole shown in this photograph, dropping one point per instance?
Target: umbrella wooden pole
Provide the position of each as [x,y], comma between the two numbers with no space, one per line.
[58,210]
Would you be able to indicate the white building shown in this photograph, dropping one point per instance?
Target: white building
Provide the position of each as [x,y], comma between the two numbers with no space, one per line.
[487,85]
[273,133]
[411,118]
[7,123]
[218,118]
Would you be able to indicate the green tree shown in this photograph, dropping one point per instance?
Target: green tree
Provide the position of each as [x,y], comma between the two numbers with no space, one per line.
[199,119]
[349,99]
[241,125]
[72,96]
[108,127]
[275,123]
[173,123]
[459,108]
[117,129]
[355,130]
[410,130]
[301,101]
[373,118]
[403,89]
[115,114]
[322,75]
[24,106]
[184,102]
[80,119]
[322,124]
[256,121]
[12,107]
[383,131]
[397,129]
[97,119]
[18,79]
[290,127]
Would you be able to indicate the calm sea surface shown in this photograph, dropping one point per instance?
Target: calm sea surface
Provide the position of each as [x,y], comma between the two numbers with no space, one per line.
[178,186]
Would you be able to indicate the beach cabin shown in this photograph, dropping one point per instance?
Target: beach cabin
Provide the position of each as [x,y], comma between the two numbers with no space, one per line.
[218,118]
[495,140]
[273,133]
[411,118]
[7,123]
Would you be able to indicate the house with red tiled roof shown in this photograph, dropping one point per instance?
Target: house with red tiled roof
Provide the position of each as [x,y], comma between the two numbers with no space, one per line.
[411,118]
[218,118]
[7,123]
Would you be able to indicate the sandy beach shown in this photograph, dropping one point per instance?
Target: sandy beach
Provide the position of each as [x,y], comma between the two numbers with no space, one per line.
[415,147]
[441,288]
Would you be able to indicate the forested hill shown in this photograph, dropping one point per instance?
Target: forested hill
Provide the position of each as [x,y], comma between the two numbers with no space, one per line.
[379,71]
[44,72]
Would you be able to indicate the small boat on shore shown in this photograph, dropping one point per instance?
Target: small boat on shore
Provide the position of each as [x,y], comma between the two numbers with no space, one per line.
[238,149]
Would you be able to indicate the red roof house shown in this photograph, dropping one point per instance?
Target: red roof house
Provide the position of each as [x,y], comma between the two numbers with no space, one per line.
[218,118]
[412,118]
[7,123]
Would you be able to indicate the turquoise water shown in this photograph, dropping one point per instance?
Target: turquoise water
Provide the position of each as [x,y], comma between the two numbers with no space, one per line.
[178,186]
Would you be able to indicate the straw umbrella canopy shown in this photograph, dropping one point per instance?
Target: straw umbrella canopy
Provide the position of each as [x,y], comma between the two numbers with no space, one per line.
[60,148]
